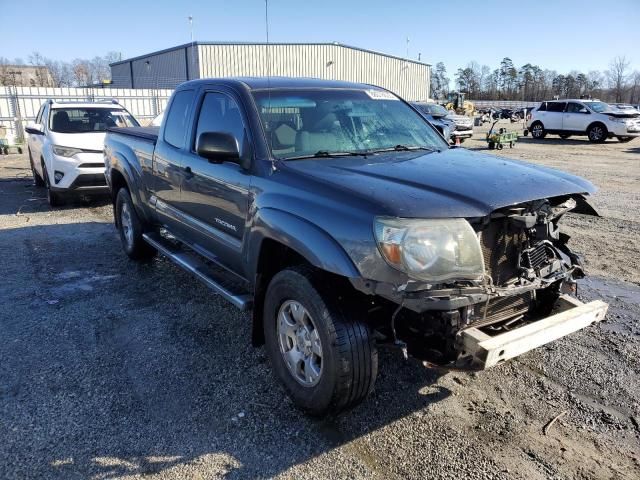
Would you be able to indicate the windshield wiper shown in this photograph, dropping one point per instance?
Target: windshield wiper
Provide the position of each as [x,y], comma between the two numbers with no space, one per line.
[403,148]
[328,154]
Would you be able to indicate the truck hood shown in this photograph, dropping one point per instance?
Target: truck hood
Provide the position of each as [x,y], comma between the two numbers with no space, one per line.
[452,183]
[85,141]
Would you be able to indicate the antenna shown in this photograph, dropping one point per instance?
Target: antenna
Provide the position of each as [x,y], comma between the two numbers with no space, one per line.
[266,28]
[193,61]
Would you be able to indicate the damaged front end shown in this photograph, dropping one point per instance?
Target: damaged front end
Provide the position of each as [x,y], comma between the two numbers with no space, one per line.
[529,274]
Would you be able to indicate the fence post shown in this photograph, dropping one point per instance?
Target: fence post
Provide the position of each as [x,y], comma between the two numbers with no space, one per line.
[14,109]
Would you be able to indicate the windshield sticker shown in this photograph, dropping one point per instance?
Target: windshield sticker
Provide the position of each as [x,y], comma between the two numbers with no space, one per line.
[381,95]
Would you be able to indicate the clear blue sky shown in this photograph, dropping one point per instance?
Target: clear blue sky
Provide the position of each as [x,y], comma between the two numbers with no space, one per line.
[561,35]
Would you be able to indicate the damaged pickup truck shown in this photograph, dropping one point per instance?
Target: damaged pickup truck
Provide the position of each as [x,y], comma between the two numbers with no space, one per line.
[343,219]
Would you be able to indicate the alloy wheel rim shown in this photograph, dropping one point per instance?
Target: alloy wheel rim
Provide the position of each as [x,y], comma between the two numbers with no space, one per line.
[537,130]
[596,133]
[127,224]
[299,343]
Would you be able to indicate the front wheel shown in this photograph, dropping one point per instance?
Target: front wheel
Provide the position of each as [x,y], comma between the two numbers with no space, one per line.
[325,359]
[54,199]
[597,133]
[538,131]
[37,179]
[131,229]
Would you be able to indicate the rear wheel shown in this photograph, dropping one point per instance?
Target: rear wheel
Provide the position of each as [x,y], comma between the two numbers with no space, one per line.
[597,133]
[538,131]
[325,359]
[131,228]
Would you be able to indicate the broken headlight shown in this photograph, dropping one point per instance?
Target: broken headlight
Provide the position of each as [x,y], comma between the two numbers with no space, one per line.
[432,250]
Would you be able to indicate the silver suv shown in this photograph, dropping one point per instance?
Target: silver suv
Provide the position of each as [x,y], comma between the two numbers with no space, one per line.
[597,120]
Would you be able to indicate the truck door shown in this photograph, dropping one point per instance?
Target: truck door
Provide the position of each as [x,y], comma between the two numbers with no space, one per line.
[215,196]
[576,117]
[168,159]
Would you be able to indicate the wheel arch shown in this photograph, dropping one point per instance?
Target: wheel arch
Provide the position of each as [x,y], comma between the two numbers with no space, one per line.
[283,240]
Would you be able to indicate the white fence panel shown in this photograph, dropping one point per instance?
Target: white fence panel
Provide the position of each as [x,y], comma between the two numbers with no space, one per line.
[19,105]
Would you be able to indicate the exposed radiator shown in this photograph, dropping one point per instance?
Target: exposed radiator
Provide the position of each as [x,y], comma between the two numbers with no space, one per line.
[500,249]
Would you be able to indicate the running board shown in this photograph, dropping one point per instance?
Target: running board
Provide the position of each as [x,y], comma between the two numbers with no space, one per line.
[193,263]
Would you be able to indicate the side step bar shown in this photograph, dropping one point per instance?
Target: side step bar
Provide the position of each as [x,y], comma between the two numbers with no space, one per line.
[193,263]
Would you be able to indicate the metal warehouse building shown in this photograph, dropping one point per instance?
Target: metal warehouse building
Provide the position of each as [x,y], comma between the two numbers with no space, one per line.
[168,68]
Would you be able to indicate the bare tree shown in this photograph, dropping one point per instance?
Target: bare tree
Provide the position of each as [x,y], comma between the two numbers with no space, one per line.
[617,75]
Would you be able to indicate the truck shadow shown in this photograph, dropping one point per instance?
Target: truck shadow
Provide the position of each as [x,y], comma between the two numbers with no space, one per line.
[112,368]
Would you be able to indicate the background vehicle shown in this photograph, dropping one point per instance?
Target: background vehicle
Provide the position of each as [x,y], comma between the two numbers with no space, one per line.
[623,107]
[463,126]
[339,215]
[457,104]
[438,116]
[597,120]
[65,146]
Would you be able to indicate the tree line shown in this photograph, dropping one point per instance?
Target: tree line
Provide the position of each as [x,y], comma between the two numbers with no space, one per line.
[78,72]
[532,83]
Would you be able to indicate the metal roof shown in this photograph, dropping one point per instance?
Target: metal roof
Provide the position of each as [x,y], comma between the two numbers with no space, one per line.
[186,45]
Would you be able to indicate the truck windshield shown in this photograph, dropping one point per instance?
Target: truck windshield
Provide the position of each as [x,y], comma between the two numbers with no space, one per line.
[84,120]
[306,122]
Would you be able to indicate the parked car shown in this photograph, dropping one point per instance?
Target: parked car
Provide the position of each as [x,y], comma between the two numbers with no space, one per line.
[341,217]
[521,113]
[65,146]
[623,107]
[438,116]
[597,120]
[463,126]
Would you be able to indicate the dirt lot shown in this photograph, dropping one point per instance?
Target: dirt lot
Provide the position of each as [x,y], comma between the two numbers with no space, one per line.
[110,369]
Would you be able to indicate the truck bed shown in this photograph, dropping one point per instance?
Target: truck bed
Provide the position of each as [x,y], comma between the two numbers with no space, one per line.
[148,133]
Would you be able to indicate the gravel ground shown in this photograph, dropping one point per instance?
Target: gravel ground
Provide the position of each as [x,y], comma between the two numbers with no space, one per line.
[110,369]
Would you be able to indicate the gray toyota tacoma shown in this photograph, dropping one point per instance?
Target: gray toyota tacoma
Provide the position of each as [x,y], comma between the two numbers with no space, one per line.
[343,220]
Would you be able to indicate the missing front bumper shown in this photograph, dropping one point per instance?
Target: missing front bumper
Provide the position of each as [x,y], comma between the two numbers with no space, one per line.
[480,350]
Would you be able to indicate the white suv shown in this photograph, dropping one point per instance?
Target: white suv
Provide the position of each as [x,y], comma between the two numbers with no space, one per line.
[597,120]
[65,146]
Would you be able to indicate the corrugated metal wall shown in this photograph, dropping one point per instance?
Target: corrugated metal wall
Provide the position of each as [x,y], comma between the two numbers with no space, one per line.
[408,79]
[166,69]
[18,105]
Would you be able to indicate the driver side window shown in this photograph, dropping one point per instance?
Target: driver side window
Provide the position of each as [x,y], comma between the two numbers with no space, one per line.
[220,113]
[575,108]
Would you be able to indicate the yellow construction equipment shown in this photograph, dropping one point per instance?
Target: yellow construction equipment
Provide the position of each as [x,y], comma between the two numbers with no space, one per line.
[457,103]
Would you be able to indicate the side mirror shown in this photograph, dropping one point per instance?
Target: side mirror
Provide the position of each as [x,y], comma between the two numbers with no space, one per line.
[218,147]
[34,128]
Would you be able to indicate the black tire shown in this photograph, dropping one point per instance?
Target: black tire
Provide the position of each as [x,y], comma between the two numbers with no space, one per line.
[349,357]
[538,131]
[499,146]
[492,145]
[597,133]
[510,144]
[625,139]
[131,229]
[37,179]
[564,136]
[53,198]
